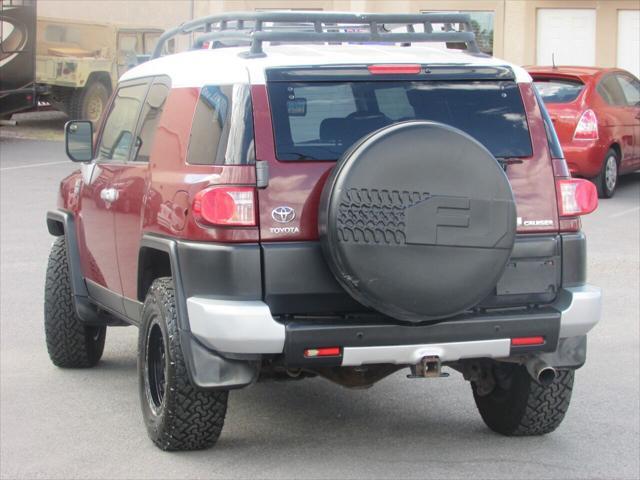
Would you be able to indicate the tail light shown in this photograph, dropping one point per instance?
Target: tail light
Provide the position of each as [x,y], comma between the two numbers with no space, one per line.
[587,128]
[226,206]
[576,196]
[392,69]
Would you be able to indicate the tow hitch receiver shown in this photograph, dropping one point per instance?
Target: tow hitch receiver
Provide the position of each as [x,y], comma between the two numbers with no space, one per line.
[429,367]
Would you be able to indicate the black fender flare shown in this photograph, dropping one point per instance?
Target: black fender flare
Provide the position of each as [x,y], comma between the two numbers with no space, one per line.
[206,369]
[62,223]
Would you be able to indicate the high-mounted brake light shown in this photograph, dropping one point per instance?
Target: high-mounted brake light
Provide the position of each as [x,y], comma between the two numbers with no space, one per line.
[587,128]
[322,352]
[527,341]
[394,69]
[576,196]
[226,206]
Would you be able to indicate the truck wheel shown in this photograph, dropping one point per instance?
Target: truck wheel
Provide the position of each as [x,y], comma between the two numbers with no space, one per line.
[71,344]
[89,102]
[607,180]
[520,406]
[178,416]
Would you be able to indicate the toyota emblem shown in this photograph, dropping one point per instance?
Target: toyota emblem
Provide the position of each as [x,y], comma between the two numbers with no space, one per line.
[283,214]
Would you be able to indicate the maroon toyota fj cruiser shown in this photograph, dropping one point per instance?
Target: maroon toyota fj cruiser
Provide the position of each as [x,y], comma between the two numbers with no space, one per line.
[321,194]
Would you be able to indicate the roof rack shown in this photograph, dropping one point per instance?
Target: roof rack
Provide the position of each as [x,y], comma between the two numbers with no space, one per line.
[252,29]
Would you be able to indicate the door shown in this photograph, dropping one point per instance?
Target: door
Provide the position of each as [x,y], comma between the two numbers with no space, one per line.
[629,40]
[631,89]
[100,198]
[566,36]
[136,206]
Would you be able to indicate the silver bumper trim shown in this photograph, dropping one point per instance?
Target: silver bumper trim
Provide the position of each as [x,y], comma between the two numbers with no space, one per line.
[581,308]
[412,354]
[231,326]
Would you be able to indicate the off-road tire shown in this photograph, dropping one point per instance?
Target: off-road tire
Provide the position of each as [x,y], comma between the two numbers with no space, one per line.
[71,343]
[82,99]
[520,406]
[605,190]
[186,418]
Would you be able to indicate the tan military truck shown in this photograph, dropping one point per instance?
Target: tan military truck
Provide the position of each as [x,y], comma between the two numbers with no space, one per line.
[80,62]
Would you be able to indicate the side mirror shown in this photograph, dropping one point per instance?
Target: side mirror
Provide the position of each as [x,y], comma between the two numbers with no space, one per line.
[78,138]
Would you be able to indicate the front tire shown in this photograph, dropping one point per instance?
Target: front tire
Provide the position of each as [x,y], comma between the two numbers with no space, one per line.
[607,180]
[70,342]
[520,406]
[178,416]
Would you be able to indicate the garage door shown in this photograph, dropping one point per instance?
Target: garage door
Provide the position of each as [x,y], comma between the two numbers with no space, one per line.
[629,40]
[567,34]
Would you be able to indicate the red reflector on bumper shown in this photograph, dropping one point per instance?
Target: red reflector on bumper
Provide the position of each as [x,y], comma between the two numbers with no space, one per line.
[524,341]
[322,352]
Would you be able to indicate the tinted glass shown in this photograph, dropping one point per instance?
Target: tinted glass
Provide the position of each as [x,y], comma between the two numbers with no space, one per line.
[117,134]
[630,89]
[212,140]
[319,121]
[609,89]
[151,113]
[558,91]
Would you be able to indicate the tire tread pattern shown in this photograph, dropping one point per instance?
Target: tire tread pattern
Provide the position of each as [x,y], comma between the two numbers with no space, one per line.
[531,408]
[373,216]
[70,343]
[192,419]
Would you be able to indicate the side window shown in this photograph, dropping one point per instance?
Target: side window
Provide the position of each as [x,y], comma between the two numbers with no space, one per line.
[609,89]
[117,134]
[631,89]
[222,128]
[151,113]
[210,125]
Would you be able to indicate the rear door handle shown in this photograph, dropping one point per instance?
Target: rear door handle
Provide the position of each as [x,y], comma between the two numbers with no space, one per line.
[109,195]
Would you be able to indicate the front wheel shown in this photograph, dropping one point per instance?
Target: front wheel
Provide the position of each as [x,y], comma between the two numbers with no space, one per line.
[520,406]
[177,415]
[607,180]
[89,102]
[70,343]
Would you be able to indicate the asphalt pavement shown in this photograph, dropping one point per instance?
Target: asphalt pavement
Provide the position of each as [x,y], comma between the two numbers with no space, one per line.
[58,423]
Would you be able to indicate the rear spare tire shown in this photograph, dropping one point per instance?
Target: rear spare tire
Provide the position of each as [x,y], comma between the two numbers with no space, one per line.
[417,221]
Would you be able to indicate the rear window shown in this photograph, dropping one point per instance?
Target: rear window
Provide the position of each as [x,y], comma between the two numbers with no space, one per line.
[320,120]
[553,90]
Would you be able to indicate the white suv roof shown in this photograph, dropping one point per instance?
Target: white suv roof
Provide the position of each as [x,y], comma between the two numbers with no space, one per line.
[197,68]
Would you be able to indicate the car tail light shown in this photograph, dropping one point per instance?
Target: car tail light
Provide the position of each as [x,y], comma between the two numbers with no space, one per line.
[322,352]
[587,128]
[394,69]
[226,206]
[576,196]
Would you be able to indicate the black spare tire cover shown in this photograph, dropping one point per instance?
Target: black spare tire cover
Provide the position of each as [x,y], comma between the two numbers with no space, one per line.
[417,221]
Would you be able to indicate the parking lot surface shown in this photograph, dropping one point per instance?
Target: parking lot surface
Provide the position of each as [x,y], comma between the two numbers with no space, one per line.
[86,423]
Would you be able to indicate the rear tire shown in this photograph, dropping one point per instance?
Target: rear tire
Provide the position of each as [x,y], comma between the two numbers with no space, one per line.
[178,416]
[89,102]
[520,406]
[70,342]
[607,180]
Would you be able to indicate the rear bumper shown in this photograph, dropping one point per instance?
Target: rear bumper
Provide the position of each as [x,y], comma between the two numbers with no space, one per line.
[585,158]
[232,327]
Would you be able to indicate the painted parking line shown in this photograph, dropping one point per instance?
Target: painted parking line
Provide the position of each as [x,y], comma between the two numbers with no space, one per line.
[624,212]
[33,165]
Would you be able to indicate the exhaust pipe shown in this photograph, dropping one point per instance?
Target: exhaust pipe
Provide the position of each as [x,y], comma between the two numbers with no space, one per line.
[541,371]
